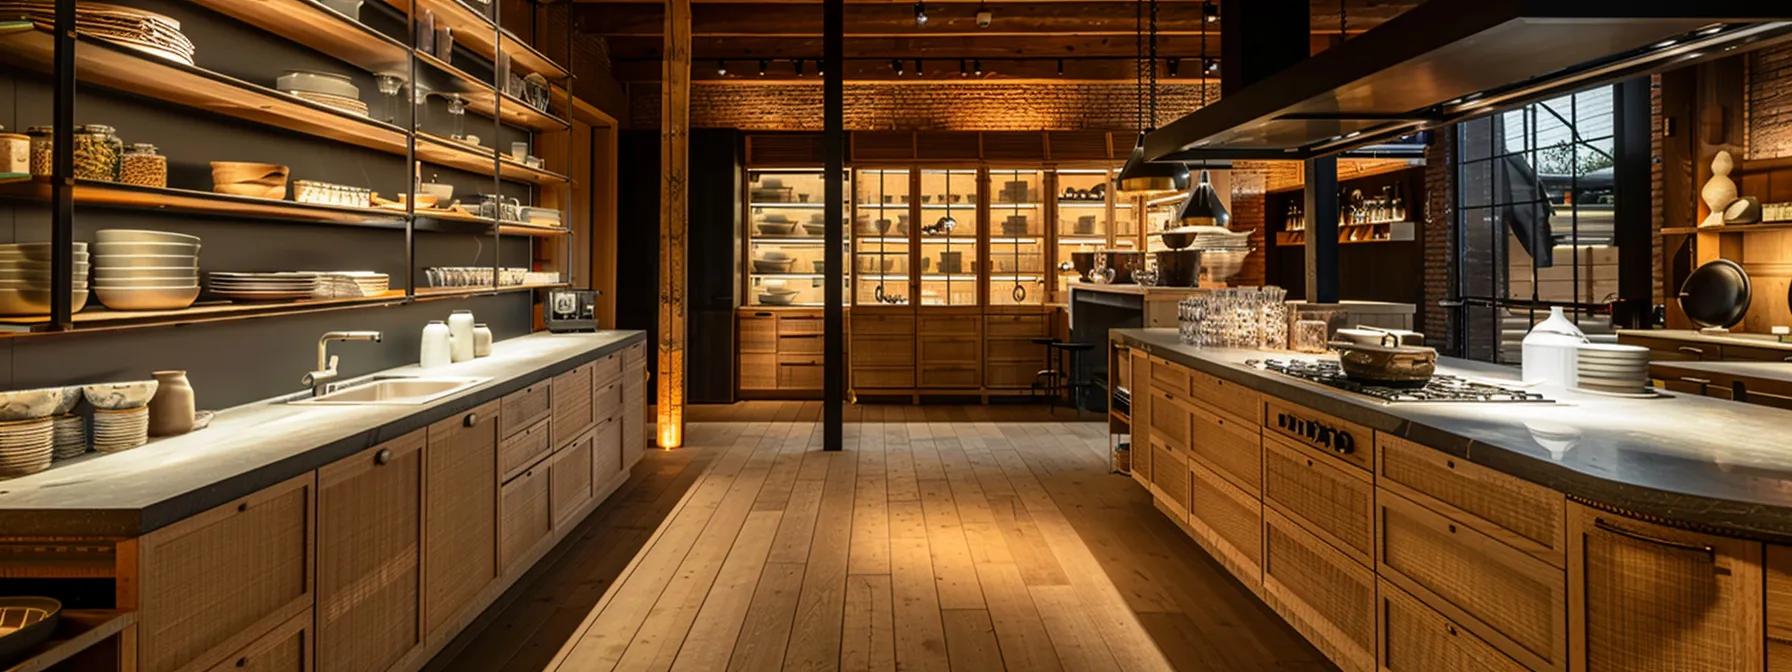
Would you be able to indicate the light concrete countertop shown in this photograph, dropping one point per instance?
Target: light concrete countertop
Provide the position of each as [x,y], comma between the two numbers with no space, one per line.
[255,445]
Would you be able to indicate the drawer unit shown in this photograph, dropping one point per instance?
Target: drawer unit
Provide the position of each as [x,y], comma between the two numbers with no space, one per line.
[524,515]
[1230,447]
[882,351]
[1022,350]
[1228,521]
[607,453]
[759,332]
[1018,375]
[522,450]
[1674,350]
[607,369]
[1169,376]
[1334,502]
[1016,325]
[882,324]
[523,408]
[246,567]
[950,376]
[804,323]
[1327,597]
[606,403]
[1415,638]
[1169,476]
[1525,515]
[1242,402]
[758,371]
[569,479]
[1342,440]
[799,372]
[1506,597]
[899,378]
[286,648]
[799,344]
[1169,418]
[573,410]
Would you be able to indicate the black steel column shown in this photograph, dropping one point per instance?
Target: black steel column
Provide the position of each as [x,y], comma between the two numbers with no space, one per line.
[1259,38]
[62,172]
[1322,229]
[833,115]
[1631,181]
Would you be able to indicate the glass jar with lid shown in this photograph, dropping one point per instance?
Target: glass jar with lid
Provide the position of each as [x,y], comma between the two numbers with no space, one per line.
[43,149]
[98,153]
[15,152]
[143,167]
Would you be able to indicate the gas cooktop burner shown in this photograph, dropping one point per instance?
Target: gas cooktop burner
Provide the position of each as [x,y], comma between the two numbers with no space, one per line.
[1442,388]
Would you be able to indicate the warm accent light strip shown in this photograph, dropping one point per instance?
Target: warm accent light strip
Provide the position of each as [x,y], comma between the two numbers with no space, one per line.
[675,115]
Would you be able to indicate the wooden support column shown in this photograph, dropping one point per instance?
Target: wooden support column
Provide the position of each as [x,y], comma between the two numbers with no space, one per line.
[1322,229]
[833,115]
[1633,226]
[675,116]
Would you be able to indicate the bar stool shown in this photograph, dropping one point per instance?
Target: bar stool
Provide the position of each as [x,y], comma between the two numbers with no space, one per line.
[1068,382]
[1046,380]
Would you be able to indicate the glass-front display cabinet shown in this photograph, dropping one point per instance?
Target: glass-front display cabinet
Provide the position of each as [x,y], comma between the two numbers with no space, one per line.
[1016,274]
[880,237]
[785,229]
[948,237]
[1090,216]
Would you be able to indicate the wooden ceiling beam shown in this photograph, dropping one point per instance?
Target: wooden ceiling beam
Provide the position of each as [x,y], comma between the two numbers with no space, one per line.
[783,20]
[745,72]
[1047,47]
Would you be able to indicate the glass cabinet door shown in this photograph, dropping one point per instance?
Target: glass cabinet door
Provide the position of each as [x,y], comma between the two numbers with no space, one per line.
[948,232]
[785,225]
[1084,221]
[880,232]
[1016,237]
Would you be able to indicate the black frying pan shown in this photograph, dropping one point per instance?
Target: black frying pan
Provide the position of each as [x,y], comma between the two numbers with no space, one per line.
[1716,294]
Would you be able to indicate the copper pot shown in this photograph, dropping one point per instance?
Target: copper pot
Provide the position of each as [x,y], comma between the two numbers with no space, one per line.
[1388,364]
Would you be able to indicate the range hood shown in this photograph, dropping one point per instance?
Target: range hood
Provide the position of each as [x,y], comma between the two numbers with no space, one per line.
[1448,60]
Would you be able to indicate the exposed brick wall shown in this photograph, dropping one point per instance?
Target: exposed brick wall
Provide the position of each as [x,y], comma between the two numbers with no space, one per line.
[967,106]
[1656,198]
[1769,109]
[1437,231]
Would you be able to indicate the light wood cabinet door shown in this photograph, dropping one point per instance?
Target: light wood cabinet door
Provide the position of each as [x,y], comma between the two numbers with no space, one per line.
[1169,477]
[1326,596]
[1334,502]
[213,583]
[287,648]
[1141,416]
[633,422]
[1415,638]
[460,513]
[1647,598]
[525,516]
[609,453]
[572,401]
[369,532]
[523,408]
[1227,445]
[569,480]
[1227,521]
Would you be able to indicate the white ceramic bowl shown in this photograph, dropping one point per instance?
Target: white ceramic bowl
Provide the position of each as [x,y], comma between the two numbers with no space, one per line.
[147,298]
[14,301]
[108,249]
[318,82]
[125,272]
[148,283]
[42,253]
[42,402]
[143,236]
[116,396]
[145,261]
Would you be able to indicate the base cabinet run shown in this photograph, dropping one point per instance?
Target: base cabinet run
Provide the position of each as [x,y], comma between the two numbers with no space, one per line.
[1390,555]
[377,560]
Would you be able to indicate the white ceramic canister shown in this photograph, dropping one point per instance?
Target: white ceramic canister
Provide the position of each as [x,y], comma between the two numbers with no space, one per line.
[482,340]
[1551,351]
[460,328]
[435,345]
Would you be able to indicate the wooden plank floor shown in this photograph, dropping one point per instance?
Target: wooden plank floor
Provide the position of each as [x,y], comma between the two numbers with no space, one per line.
[943,538]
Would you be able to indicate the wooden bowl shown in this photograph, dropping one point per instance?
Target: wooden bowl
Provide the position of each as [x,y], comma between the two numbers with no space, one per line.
[228,172]
[25,623]
[276,192]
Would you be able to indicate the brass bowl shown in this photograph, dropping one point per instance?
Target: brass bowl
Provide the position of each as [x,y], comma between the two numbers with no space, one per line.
[1387,364]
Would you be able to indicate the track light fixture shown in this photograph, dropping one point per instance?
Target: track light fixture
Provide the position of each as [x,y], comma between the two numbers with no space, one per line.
[984,16]
[721,68]
[896,65]
[921,13]
[1210,66]
[977,67]
[1173,66]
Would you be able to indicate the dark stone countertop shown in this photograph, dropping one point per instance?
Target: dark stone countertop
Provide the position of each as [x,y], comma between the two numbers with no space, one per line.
[256,445]
[1689,460]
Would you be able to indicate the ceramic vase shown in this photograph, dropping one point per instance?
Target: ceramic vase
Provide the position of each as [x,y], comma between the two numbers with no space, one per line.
[460,329]
[1719,191]
[171,410]
[482,340]
[1551,351]
[435,345]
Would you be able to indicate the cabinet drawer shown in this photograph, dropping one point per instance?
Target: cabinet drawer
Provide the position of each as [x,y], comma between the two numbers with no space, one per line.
[1015,350]
[1753,354]
[799,344]
[524,516]
[1506,597]
[759,332]
[1528,516]
[606,403]
[1414,638]
[1015,325]
[635,355]
[1227,396]
[607,459]
[882,351]
[799,324]
[573,410]
[246,566]
[606,369]
[1328,598]
[803,373]
[1229,521]
[1340,440]
[569,479]
[951,349]
[887,325]
[1228,446]
[1335,502]
[950,376]
[286,648]
[1010,375]
[946,325]
[883,378]
[1169,476]
[1170,419]
[523,450]
[1169,376]
[758,371]
[523,408]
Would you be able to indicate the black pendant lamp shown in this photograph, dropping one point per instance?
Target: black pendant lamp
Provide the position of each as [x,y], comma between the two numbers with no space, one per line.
[1204,207]
[1138,175]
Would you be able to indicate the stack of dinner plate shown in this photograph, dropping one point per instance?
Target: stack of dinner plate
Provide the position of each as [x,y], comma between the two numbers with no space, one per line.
[71,437]
[136,269]
[1609,367]
[25,278]
[351,284]
[283,286]
[26,446]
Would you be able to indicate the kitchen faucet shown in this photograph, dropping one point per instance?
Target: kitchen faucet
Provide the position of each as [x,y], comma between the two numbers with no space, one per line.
[320,378]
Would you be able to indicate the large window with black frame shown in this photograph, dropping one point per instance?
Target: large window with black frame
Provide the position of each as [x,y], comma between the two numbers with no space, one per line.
[1535,199]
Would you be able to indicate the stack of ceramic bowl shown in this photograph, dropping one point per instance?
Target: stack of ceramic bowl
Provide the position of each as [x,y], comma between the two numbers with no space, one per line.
[25,278]
[145,270]
[27,431]
[1612,368]
[120,414]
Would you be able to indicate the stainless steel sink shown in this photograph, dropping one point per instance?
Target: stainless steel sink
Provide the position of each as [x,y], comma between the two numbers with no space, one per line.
[391,391]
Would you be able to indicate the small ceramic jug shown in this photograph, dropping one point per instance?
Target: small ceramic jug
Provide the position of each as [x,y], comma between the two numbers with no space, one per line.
[482,340]
[171,410]
[435,345]
[460,328]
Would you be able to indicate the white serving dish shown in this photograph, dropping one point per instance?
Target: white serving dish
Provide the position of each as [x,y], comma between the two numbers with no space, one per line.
[147,298]
[143,236]
[145,261]
[318,82]
[119,273]
[116,249]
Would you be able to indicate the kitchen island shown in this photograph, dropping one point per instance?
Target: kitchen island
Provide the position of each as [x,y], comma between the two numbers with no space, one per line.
[1461,535]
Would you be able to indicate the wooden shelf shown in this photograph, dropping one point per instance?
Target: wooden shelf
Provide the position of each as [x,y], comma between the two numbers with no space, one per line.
[98,317]
[310,23]
[1730,228]
[124,196]
[478,159]
[428,293]
[78,630]
[476,32]
[483,99]
[508,229]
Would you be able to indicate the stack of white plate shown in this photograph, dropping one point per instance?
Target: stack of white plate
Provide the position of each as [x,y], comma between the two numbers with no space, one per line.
[1620,369]
[261,286]
[25,278]
[71,437]
[145,270]
[351,284]
[26,446]
[116,430]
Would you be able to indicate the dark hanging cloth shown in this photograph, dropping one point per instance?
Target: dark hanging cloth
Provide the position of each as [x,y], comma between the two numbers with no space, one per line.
[1528,210]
